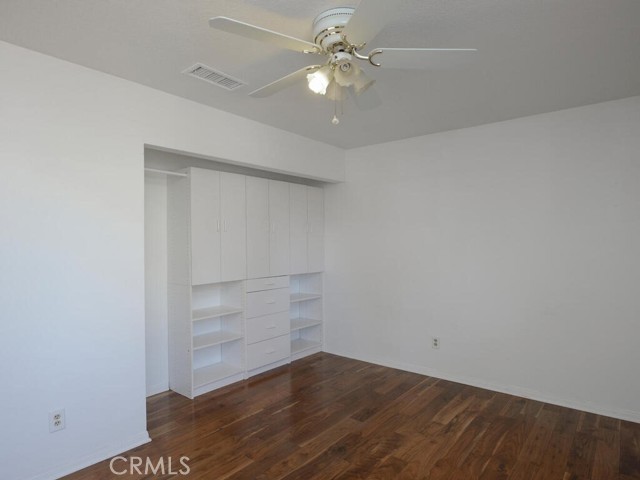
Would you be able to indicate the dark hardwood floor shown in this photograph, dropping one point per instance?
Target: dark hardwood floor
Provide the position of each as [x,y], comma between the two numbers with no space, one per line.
[328,417]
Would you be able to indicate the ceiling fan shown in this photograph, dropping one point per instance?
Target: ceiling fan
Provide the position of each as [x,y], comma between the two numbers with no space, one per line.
[339,36]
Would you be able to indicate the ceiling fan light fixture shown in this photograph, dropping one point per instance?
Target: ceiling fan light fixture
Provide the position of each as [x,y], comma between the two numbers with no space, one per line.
[346,76]
[320,79]
[344,69]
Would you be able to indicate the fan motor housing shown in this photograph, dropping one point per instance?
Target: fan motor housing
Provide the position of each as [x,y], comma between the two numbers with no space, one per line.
[328,26]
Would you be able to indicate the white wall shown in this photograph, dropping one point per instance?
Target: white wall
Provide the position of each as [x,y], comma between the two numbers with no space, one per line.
[72,247]
[517,243]
[155,273]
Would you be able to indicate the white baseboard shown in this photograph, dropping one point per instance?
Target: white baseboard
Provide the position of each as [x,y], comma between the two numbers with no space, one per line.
[95,457]
[622,414]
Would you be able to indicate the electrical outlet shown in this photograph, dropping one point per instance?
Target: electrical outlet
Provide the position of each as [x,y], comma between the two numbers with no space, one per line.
[435,342]
[56,420]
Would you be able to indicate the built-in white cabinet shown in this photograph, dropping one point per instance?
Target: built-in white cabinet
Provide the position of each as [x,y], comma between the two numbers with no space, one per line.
[206,235]
[267,227]
[233,231]
[258,227]
[315,233]
[279,222]
[307,229]
[234,308]
[203,196]
[218,226]
[298,229]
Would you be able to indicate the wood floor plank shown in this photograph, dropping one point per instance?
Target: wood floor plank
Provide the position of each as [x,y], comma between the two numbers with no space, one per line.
[336,453]
[475,463]
[535,447]
[387,469]
[494,405]
[329,417]
[506,452]
[630,449]
[606,463]
[514,407]
[414,406]
[588,422]
[311,449]
[581,456]
[370,453]
[417,453]
[452,461]
[438,440]
[423,420]
[554,461]
[452,409]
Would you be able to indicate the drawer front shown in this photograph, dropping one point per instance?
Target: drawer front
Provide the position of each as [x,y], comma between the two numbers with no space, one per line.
[268,283]
[267,302]
[268,351]
[267,326]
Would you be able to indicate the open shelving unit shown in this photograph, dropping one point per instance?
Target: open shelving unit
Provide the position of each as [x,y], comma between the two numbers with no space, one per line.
[206,336]
[217,328]
[305,313]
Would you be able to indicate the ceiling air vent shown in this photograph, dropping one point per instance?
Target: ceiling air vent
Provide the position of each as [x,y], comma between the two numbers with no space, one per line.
[212,76]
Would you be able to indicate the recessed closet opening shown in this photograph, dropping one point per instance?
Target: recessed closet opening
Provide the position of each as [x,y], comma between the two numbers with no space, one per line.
[233,271]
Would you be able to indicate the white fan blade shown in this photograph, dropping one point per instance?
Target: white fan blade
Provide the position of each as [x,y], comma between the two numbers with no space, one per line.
[369,18]
[262,34]
[284,82]
[421,58]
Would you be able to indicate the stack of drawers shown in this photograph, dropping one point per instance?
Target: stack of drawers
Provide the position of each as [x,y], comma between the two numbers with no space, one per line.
[268,325]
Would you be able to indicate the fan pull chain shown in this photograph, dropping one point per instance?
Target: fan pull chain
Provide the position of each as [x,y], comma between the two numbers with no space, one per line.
[335,120]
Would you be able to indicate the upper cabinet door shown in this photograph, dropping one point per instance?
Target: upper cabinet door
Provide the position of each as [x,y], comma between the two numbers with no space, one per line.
[258,227]
[205,226]
[279,227]
[298,229]
[315,239]
[233,212]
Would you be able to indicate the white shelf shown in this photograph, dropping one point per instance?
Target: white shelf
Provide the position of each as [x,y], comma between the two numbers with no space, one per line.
[303,297]
[213,373]
[214,338]
[214,312]
[300,323]
[300,344]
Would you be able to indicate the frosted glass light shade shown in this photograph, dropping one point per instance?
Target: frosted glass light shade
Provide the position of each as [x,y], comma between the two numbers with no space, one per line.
[319,80]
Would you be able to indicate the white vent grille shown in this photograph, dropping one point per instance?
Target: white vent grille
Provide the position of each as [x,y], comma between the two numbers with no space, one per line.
[210,75]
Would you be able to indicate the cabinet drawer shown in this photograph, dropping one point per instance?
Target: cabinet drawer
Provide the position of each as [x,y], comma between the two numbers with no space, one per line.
[267,326]
[268,351]
[267,283]
[267,302]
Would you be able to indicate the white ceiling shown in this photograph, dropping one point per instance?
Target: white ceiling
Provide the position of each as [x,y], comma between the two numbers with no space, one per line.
[535,56]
